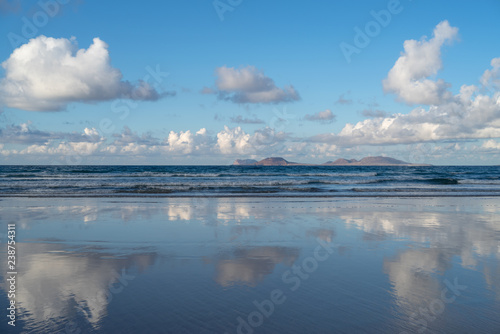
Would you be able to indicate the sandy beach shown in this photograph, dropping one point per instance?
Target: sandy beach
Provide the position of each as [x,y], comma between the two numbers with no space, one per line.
[255,265]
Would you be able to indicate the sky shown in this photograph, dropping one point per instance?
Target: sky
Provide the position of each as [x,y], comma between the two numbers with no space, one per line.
[207,82]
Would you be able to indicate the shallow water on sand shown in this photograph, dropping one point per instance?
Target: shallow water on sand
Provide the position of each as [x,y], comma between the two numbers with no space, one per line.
[254,265]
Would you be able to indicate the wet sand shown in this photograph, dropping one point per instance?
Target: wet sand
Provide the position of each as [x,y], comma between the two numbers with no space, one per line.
[254,265]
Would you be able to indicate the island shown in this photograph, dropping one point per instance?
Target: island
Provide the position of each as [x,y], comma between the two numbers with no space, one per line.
[367,161]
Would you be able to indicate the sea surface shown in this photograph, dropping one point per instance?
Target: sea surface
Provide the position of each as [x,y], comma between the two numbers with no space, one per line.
[303,181]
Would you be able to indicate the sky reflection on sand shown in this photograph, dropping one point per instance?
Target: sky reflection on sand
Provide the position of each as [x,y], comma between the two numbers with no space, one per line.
[391,260]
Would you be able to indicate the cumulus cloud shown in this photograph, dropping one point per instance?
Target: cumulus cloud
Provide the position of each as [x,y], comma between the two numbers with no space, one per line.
[420,60]
[86,143]
[491,144]
[228,141]
[325,116]
[233,141]
[237,141]
[46,143]
[464,117]
[250,85]
[186,142]
[491,78]
[47,74]
[27,134]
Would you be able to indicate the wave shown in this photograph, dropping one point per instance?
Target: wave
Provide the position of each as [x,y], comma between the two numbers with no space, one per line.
[441,181]
[154,174]
[427,190]
[225,180]
[132,184]
[19,175]
[407,180]
[486,181]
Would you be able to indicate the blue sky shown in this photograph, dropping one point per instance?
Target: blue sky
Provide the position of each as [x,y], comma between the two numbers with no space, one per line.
[207,82]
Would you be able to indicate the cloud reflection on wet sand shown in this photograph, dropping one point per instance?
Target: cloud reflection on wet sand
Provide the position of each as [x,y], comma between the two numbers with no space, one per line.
[238,245]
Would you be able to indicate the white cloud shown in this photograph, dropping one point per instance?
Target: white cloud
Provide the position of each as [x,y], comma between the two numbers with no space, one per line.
[263,141]
[463,117]
[49,143]
[325,116]
[47,74]
[26,134]
[185,142]
[90,132]
[491,78]
[71,148]
[250,85]
[491,144]
[81,148]
[182,141]
[420,60]
[137,149]
[233,141]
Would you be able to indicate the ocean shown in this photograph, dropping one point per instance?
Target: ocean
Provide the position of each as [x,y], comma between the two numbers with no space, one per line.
[222,181]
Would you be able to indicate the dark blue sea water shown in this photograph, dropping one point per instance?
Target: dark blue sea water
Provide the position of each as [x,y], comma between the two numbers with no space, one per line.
[192,181]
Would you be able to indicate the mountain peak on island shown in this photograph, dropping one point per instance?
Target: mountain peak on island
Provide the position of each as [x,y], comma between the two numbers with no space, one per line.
[366,161]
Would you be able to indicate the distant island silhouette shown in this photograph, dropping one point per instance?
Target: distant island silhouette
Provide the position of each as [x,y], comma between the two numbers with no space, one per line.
[367,161]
